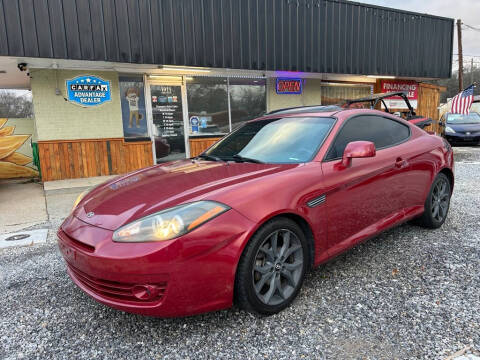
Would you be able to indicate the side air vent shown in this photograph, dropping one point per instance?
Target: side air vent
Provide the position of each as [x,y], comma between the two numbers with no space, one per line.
[317,201]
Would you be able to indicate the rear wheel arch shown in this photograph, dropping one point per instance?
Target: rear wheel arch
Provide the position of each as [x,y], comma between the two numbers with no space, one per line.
[437,202]
[449,174]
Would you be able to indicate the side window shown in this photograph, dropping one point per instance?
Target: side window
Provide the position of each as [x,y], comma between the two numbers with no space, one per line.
[382,131]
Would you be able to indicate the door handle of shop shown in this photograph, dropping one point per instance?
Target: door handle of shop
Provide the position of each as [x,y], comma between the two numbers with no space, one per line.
[400,163]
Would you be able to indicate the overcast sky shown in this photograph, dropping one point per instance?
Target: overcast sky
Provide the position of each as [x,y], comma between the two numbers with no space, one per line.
[467,10]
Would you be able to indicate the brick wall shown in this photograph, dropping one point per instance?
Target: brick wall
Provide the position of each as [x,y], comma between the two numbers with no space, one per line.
[57,119]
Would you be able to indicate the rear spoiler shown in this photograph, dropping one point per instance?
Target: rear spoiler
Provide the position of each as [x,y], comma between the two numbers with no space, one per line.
[421,122]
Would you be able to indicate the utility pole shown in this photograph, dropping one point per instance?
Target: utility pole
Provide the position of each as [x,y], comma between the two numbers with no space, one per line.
[460,56]
[471,72]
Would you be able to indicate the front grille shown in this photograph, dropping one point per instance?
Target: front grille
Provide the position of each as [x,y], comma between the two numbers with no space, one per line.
[470,133]
[75,243]
[115,290]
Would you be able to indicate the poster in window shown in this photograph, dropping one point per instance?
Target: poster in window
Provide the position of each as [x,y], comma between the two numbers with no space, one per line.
[133,107]
[168,126]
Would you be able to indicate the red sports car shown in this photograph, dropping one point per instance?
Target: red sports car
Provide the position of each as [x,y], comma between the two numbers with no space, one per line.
[243,222]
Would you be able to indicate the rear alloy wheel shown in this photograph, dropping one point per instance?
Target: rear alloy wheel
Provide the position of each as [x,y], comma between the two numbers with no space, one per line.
[437,203]
[271,270]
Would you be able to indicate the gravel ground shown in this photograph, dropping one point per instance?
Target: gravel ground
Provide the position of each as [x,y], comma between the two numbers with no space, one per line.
[407,294]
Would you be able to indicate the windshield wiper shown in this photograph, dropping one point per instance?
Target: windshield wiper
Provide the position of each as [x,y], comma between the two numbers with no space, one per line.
[241,158]
[209,157]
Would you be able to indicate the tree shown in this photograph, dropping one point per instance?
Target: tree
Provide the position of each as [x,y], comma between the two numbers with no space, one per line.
[451,84]
[15,104]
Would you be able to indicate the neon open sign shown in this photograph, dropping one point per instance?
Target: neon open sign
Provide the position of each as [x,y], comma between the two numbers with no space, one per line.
[289,86]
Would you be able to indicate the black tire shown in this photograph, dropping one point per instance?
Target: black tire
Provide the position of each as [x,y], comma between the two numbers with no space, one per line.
[430,219]
[252,292]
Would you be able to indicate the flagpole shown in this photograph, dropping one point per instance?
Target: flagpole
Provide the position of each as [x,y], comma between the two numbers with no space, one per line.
[474,85]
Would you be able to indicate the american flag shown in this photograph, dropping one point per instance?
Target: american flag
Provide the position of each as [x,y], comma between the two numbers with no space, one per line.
[461,102]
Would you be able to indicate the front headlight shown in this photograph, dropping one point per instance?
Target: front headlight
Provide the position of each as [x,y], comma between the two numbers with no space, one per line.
[448,129]
[79,198]
[171,223]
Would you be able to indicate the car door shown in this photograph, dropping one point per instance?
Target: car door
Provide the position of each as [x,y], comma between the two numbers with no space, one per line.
[366,196]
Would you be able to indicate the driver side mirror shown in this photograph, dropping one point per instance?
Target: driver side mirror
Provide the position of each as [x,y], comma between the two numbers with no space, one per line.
[357,149]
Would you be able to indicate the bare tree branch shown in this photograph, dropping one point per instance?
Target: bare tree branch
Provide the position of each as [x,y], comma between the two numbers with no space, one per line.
[15,105]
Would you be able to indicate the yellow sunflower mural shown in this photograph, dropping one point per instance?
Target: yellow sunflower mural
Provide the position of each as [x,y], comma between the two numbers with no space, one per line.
[12,163]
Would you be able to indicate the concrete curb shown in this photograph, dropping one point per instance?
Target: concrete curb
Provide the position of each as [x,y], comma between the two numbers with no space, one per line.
[70,186]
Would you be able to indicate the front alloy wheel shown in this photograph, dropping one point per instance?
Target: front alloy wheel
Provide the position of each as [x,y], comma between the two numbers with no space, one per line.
[272,267]
[278,267]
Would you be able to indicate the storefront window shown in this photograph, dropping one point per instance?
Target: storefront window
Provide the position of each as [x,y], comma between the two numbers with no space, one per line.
[247,99]
[133,107]
[208,111]
[208,105]
[335,93]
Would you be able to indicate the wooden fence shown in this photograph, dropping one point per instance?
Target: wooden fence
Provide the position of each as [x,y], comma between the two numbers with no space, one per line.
[67,159]
[428,103]
[197,146]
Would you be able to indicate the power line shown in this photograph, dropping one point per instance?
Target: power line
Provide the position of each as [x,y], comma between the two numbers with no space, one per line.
[470,59]
[470,27]
[455,54]
[475,62]
[474,59]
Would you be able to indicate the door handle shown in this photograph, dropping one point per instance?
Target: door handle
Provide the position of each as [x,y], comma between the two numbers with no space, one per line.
[400,163]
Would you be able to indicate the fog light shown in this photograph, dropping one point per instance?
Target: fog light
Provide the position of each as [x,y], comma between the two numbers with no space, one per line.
[145,292]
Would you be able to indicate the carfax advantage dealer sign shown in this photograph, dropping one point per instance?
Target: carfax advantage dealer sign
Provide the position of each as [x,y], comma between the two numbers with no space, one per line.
[88,90]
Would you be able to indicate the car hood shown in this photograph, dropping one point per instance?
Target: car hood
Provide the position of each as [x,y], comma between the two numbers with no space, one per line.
[462,128]
[127,198]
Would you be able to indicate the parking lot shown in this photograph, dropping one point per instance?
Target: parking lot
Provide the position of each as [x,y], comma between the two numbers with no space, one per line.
[410,293]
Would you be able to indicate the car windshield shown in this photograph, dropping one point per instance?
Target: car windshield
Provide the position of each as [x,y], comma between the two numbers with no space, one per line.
[284,140]
[472,118]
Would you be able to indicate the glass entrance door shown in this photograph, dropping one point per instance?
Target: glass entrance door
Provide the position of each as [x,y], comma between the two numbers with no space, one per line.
[168,125]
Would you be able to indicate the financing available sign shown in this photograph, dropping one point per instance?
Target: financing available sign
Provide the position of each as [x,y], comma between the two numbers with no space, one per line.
[408,86]
[88,90]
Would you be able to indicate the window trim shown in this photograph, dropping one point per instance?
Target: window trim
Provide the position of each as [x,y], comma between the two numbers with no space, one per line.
[377,149]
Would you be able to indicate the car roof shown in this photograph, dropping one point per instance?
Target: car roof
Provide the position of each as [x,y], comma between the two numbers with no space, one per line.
[313,111]
[306,109]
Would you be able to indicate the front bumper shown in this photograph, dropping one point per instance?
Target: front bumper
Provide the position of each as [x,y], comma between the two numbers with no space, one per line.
[460,138]
[192,274]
